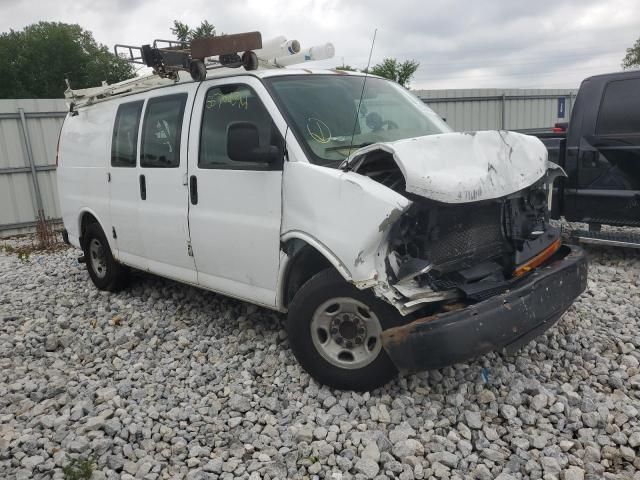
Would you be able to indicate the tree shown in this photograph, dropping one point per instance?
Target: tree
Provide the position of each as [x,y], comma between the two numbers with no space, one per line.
[36,60]
[346,68]
[632,58]
[393,70]
[184,33]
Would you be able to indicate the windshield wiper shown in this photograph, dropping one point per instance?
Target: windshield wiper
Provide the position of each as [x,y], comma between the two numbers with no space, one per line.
[352,147]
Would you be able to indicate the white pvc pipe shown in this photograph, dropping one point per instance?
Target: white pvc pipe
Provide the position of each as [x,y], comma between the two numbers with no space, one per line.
[272,43]
[277,47]
[317,52]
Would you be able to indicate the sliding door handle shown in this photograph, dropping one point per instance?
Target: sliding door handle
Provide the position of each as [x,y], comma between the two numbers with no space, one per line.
[143,188]
[193,189]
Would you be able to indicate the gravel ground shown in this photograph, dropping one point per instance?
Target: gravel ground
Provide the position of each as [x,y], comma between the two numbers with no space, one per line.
[168,381]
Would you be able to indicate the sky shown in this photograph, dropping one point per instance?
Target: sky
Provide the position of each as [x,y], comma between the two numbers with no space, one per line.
[459,43]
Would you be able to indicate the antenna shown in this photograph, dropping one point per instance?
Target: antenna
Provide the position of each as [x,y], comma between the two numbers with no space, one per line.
[364,82]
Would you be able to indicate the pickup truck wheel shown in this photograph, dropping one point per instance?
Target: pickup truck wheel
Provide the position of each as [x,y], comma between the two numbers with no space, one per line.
[334,331]
[105,272]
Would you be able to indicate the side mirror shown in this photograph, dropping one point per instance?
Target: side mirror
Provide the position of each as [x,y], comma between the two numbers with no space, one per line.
[243,144]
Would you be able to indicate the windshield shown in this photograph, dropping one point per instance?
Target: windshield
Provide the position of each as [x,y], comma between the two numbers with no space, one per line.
[321,109]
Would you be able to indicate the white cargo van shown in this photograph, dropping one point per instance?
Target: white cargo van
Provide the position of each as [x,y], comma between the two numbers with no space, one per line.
[392,242]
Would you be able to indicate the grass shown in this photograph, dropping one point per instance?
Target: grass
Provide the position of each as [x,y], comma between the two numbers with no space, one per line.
[79,469]
[25,248]
[23,253]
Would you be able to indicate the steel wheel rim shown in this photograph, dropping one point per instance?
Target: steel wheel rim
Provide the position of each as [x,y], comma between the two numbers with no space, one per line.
[97,258]
[346,333]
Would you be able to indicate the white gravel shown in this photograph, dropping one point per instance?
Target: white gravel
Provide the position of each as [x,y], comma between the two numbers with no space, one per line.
[168,381]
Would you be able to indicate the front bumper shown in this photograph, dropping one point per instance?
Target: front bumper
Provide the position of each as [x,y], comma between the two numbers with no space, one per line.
[508,320]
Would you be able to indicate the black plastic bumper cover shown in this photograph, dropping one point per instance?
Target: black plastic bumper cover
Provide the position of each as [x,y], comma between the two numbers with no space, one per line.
[508,320]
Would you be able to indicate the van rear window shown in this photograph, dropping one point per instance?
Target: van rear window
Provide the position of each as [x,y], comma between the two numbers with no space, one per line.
[125,135]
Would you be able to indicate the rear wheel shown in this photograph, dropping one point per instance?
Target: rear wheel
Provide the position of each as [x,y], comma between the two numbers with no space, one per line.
[105,272]
[334,331]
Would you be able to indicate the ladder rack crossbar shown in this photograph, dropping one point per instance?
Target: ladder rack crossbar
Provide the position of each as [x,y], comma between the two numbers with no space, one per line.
[128,54]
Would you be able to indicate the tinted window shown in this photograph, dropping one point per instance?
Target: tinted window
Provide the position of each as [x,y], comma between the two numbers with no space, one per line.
[161,132]
[125,135]
[231,104]
[620,109]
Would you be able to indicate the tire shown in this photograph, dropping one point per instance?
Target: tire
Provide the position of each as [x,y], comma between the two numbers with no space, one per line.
[327,313]
[198,70]
[105,272]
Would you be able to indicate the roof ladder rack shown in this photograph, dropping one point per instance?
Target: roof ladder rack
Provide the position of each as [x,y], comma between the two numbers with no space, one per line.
[167,57]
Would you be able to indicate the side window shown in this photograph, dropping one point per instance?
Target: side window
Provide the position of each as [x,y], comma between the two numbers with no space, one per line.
[161,132]
[124,144]
[620,108]
[237,107]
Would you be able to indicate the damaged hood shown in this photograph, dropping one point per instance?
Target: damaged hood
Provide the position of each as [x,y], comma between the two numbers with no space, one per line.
[464,167]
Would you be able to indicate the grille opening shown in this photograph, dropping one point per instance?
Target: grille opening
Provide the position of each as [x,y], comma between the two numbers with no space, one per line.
[452,237]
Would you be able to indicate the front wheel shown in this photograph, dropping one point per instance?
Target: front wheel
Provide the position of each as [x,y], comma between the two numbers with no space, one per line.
[334,331]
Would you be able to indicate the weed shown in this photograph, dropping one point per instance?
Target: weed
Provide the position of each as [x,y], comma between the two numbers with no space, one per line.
[45,234]
[78,469]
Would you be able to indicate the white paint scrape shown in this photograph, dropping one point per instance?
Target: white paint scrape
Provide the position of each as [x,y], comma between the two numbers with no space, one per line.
[469,166]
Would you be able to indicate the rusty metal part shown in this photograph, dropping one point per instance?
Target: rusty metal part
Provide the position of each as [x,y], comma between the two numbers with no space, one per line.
[202,48]
[398,333]
[394,337]
[452,307]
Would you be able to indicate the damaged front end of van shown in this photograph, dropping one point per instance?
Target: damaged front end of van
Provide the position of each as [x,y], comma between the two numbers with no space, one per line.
[462,246]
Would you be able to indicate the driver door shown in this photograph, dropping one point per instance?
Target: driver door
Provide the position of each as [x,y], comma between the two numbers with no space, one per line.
[234,205]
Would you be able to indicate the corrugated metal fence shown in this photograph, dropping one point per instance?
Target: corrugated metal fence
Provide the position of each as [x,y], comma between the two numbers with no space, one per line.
[29,134]
[28,138]
[490,109]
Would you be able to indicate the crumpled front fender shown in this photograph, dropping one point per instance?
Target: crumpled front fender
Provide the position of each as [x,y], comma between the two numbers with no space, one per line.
[346,214]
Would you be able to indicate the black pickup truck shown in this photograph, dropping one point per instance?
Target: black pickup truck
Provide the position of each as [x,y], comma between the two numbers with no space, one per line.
[600,151]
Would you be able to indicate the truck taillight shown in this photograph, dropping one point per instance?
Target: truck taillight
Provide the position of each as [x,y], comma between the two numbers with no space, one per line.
[560,127]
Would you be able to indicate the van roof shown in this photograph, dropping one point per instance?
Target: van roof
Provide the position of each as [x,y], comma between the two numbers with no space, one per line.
[89,96]
[276,72]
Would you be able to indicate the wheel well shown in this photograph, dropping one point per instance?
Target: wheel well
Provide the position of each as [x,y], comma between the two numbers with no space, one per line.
[305,262]
[86,220]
